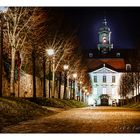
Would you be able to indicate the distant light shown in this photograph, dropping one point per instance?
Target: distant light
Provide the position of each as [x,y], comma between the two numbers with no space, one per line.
[3,9]
[66,67]
[50,52]
[86,90]
[75,75]
[80,82]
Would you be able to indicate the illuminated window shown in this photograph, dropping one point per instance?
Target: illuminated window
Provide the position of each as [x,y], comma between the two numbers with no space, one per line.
[104,90]
[104,79]
[113,91]
[95,79]
[113,79]
[95,90]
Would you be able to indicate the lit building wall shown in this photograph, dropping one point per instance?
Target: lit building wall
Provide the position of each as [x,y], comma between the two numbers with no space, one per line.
[107,83]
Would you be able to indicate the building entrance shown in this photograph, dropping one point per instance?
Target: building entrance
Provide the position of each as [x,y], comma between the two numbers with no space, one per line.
[104,100]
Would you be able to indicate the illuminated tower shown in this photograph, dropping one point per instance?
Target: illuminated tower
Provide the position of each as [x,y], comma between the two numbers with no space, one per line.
[104,45]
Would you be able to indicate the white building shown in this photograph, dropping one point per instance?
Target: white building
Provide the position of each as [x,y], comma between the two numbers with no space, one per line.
[106,79]
[105,86]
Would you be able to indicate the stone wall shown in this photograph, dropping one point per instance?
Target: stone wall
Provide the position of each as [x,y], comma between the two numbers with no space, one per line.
[26,87]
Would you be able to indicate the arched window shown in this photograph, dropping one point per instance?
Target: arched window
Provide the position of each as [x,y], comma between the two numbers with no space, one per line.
[90,55]
[128,67]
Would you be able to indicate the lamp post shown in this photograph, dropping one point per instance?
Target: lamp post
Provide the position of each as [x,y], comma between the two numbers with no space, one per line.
[2,11]
[50,53]
[74,85]
[80,90]
[138,69]
[44,77]
[86,91]
[65,81]
[19,69]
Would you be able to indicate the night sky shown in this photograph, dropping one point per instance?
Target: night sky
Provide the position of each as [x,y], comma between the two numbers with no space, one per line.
[124,23]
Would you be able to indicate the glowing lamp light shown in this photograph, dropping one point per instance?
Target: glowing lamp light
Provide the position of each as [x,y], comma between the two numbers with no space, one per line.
[86,90]
[75,75]
[80,82]
[104,41]
[66,67]
[50,52]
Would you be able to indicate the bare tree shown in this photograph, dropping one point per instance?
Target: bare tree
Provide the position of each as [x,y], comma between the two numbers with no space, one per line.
[20,21]
[35,50]
[17,26]
[127,85]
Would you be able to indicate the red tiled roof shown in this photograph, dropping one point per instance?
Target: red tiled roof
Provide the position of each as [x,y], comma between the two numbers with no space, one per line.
[116,63]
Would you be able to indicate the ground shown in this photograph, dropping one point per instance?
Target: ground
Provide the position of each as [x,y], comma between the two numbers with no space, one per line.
[83,120]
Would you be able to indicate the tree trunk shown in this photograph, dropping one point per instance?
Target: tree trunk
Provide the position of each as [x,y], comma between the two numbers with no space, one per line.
[44,78]
[19,68]
[71,93]
[136,90]
[49,78]
[34,74]
[60,80]
[65,85]
[12,78]
[1,52]
[74,89]
[53,77]
[138,84]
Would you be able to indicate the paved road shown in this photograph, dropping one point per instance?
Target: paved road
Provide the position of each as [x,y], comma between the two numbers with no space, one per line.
[83,120]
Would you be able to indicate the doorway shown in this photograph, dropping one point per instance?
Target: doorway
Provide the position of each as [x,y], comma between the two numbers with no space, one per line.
[104,100]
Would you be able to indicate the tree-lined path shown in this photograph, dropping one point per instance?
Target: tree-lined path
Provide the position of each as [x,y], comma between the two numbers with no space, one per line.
[83,120]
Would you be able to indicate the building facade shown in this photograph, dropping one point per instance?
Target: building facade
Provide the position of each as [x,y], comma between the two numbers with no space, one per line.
[105,86]
[105,70]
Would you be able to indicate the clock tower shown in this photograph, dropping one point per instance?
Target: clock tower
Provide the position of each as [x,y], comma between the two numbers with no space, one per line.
[104,45]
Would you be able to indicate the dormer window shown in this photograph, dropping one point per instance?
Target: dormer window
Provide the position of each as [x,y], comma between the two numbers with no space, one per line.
[128,67]
[118,54]
[90,55]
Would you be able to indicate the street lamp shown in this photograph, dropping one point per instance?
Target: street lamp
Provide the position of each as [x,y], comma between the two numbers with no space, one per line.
[2,11]
[75,75]
[80,86]
[50,53]
[74,85]
[65,81]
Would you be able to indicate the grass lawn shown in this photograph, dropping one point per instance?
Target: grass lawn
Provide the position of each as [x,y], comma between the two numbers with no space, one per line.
[14,110]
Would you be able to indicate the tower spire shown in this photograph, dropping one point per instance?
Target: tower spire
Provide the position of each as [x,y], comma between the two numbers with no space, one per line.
[105,22]
[104,45]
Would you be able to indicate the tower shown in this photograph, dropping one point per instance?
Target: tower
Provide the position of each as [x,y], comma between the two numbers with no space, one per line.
[104,45]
